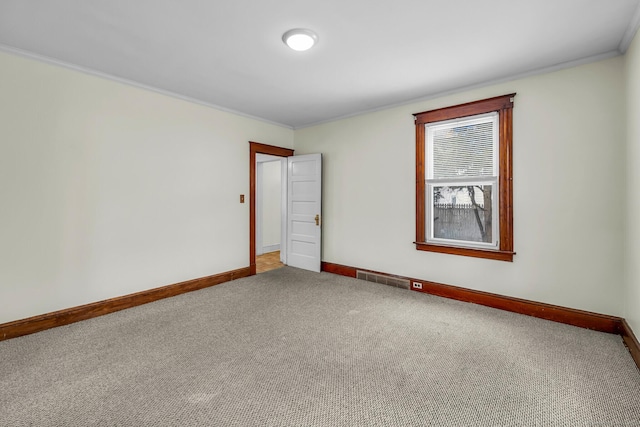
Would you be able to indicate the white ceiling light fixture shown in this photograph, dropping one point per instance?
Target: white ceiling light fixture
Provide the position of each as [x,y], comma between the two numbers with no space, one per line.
[300,39]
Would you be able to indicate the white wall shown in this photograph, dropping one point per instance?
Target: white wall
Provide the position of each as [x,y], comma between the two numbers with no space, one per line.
[271,203]
[632,297]
[568,191]
[107,189]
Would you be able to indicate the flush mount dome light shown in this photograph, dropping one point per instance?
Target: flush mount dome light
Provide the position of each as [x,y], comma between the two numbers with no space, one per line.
[300,39]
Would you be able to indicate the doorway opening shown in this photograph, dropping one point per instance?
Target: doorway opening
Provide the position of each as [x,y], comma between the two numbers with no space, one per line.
[256,149]
[271,176]
[268,261]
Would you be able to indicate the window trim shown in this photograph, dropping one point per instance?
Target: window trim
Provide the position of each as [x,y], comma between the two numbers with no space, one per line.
[503,105]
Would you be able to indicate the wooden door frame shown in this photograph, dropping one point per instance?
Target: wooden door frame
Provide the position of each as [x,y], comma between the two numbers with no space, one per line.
[258,148]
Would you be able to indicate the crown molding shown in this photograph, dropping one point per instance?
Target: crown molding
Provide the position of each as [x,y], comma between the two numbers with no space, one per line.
[485,83]
[543,70]
[631,31]
[106,76]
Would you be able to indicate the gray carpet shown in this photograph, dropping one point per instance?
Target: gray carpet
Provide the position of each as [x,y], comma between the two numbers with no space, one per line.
[294,348]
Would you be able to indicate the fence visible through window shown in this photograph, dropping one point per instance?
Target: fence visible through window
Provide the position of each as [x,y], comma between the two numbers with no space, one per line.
[457,221]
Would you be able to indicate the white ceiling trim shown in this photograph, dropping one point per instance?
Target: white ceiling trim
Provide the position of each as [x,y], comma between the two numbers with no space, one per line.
[631,31]
[91,72]
[557,67]
[544,70]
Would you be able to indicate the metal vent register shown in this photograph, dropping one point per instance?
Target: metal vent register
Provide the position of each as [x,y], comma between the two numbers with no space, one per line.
[385,280]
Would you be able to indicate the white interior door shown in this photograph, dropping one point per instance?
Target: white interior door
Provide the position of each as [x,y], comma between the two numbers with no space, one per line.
[304,194]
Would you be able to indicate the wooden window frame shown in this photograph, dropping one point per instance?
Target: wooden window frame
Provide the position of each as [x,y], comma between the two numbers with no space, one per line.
[503,105]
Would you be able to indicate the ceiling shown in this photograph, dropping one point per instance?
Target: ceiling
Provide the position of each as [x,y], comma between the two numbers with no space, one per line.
[370,55]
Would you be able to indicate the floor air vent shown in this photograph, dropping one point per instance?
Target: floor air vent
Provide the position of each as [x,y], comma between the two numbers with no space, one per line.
[380,278]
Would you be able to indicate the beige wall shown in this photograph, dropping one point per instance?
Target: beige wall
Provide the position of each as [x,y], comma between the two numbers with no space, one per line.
[632,297]
[271,203]
[568,191]
[108,189]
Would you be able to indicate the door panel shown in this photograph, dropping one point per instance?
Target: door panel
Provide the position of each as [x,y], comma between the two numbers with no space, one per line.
[304,194]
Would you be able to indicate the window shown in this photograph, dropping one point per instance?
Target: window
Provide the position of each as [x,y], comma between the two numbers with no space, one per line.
[464,179]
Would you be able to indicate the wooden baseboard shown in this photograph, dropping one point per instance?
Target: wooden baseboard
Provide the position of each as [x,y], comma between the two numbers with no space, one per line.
[570,316]
[75,314]
[342,270]
[630,341]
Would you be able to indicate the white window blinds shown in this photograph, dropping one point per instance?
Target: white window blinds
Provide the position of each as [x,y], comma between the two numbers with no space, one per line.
[463,148]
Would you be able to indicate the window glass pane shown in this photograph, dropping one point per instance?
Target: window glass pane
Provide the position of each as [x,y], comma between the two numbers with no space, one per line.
[464,149]
[462,212]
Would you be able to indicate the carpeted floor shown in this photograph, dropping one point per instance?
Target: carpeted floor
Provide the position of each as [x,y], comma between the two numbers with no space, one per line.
[294,348]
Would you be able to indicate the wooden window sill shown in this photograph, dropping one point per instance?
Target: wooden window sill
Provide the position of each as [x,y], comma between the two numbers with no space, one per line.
[455,250]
